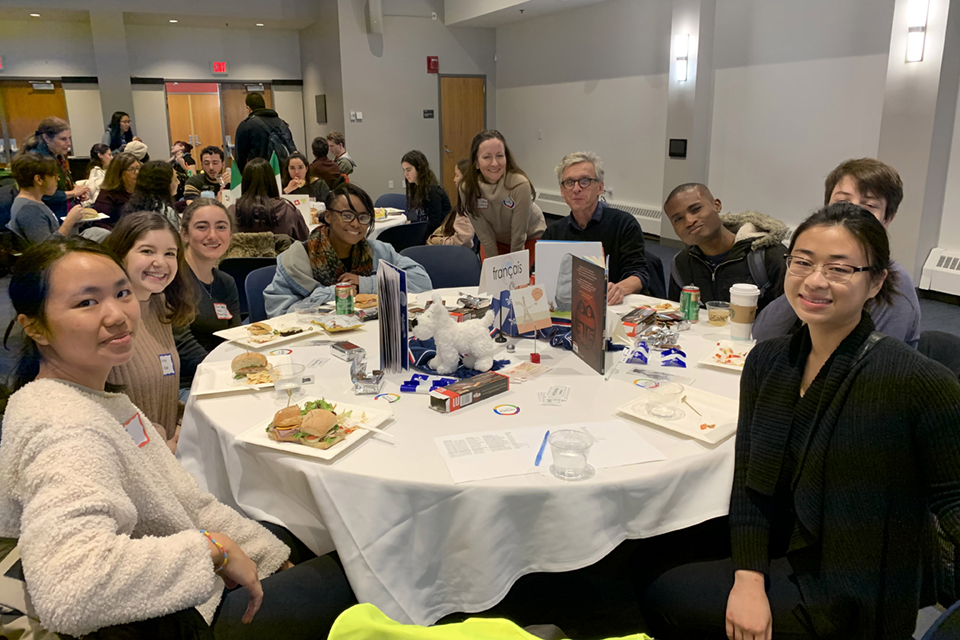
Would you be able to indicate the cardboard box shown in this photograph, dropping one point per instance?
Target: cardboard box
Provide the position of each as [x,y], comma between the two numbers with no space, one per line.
[470,391]
[637,319]
[462,314]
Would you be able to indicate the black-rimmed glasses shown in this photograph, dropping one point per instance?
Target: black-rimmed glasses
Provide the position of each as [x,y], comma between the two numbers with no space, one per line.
[583,182]
[835,272]
[349,216]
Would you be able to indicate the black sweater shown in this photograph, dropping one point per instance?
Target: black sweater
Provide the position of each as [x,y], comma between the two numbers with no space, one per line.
[434,208]
[882,450]
[197,340]
[621,237]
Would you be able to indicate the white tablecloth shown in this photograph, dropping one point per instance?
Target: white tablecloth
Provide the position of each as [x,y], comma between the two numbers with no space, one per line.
[379,226]
[419,546]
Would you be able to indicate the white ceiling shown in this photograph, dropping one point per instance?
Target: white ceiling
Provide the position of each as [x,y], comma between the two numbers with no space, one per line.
[523,11]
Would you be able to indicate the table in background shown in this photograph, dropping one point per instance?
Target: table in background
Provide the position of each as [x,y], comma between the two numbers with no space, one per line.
[419,546]
[379,226]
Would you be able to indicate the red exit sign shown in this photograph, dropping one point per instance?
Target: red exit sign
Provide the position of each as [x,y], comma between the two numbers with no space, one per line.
[219,68]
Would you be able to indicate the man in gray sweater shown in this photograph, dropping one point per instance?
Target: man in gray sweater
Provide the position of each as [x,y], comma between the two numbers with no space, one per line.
[876,187]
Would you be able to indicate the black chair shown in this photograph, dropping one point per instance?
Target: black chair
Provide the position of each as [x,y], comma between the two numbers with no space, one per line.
[258,280]
[947,626]
[657,285]
[447,265]
[943,347]
[239,268]
[392,200]
[413,234]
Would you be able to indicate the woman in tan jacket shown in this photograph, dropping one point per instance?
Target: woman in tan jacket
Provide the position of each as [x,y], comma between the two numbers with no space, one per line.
[498,196]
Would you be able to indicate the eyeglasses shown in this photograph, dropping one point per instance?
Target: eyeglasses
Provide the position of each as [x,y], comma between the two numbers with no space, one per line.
[132,169]
[349,216]
[834,272]
[583,182]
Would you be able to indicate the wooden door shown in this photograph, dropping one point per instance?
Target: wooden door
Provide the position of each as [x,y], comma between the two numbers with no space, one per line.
[232,101]
[23,108]
[206,120]
[462,116]
[180,115]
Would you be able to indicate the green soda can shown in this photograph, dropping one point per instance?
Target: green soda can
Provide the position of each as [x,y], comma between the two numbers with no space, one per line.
[690,303]
[344,293]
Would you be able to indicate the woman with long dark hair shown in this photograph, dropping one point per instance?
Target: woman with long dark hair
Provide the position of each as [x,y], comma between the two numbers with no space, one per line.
[498,196]
[456,227]
[151,251]
[119,132]
[117,187]
[260,207]
[52,139]
[339,250]
[156,184]
[846,441]
[115,538]
[425,197]
[297,178]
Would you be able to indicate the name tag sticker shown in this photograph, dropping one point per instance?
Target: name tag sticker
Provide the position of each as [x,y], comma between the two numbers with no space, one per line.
[482,203]
[136,430]
[223,313]
[166,364]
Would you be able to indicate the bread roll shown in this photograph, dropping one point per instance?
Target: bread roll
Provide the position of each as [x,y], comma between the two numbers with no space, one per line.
[288,417]
[248,362]
[318,422]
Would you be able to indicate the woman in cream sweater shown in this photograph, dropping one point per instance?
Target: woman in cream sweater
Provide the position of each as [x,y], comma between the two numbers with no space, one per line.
[498,196]
[115,538]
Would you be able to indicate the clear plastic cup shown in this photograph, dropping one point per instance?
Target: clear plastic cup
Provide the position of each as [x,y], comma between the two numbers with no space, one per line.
[718,313]
[664,399]
[287,379]
[570,449]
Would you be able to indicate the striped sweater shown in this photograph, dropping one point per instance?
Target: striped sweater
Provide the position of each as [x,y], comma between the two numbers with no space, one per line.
[142,376]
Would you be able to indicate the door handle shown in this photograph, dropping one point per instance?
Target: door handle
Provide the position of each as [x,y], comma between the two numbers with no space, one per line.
[446,150]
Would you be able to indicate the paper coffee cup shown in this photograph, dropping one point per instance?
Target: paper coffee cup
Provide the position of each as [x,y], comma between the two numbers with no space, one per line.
[743,310]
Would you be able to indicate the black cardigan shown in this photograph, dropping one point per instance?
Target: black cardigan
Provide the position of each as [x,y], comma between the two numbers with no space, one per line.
[435,206]
[885,451]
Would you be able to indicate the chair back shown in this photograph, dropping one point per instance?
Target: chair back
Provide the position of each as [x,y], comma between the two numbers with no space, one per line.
[392,200]
[257,281]
[239,268]
[413,234]
[947,626]
[447,265]
[657,285]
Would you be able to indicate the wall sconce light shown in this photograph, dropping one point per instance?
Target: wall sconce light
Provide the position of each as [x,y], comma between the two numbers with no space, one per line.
[681,46]
[916,29]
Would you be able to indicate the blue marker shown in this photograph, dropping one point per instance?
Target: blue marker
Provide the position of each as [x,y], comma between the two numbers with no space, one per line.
[543,445]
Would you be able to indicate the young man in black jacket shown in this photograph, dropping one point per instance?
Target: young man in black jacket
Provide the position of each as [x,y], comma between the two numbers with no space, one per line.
[723,251]
[253,134]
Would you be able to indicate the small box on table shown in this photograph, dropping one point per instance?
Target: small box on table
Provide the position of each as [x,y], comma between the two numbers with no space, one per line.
[469,391]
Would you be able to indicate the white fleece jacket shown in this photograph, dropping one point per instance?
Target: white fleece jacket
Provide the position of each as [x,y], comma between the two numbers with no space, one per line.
[109,531]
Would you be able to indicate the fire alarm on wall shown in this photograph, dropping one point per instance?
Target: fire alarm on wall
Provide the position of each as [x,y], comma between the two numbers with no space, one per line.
[433,64]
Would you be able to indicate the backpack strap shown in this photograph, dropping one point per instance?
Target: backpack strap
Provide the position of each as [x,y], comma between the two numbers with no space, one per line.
[758,270]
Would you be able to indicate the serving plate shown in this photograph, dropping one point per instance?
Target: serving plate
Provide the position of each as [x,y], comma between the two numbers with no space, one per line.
[717,410]
[728,354]
[217,377]
[240,335]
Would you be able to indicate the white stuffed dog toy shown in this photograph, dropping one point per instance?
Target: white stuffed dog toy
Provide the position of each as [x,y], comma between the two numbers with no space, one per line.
[452,338]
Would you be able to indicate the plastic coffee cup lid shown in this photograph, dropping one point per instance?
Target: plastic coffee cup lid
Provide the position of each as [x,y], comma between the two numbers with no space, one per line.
[745,289]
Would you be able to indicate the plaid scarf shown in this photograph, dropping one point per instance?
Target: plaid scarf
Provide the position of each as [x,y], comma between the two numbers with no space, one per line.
[325,264]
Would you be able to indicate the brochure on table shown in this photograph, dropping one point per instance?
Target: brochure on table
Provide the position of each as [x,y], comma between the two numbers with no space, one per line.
[589,312]
[531,309]
[392,303]
[513,452]
[549,255]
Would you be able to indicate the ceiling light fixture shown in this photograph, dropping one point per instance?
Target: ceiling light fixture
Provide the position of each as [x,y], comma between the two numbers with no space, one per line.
[34,15]
[173,22]
[259,24]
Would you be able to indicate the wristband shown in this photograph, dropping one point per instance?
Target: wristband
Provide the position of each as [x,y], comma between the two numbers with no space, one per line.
[220,547]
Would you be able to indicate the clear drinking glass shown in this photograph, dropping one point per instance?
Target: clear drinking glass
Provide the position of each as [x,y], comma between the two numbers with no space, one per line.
[570,449]
[664,399]
[287,380]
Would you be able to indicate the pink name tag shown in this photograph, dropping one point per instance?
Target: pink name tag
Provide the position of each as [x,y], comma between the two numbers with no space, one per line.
[223,313]
[136,430]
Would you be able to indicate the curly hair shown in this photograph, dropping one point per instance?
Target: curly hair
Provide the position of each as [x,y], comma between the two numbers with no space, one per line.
[152,192]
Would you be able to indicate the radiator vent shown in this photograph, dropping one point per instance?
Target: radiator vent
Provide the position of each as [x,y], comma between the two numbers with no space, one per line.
[941,271]
[648,218]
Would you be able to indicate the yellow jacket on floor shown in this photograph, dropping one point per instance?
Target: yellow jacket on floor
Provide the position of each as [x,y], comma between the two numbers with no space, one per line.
[364,621]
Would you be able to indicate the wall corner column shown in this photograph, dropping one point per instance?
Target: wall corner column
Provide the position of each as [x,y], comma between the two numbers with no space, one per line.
[113,67]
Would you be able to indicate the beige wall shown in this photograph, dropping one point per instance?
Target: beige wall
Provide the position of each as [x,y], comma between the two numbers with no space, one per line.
[320,64]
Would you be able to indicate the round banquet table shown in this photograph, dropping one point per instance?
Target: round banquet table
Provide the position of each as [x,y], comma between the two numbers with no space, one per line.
[419,546]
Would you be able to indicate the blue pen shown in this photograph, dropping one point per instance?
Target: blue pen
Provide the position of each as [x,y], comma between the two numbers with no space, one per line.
[543,445]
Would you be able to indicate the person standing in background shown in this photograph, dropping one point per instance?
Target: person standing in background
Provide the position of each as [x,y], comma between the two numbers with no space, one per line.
[52,139]
[338,145]
[425,197]
[498,195]
[119,132]
[254,133]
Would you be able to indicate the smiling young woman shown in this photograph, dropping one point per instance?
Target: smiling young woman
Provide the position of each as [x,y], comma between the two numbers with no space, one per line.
[152,254]
[498,196]
[115,538]
[206,228]
[846,441]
